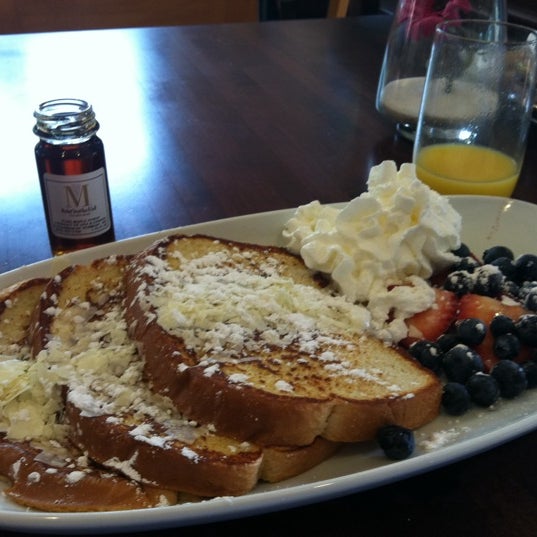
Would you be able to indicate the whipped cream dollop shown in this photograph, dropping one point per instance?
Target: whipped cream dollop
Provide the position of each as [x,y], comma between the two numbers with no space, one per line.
[380,249]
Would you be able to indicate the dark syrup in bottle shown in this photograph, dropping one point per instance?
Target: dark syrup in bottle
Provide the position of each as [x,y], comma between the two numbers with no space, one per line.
[72,174]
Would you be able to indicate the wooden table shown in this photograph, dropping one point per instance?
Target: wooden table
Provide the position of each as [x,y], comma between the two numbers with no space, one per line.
[209,122]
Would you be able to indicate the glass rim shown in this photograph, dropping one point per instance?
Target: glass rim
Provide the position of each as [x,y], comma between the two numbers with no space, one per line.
[61,108]
[66,119]
[443,28]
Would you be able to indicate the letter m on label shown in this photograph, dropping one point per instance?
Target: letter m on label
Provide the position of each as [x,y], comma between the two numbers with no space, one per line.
[76,199]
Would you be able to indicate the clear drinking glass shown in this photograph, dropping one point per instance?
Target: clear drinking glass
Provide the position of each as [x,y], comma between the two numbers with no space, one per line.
[408,49]
[476,107]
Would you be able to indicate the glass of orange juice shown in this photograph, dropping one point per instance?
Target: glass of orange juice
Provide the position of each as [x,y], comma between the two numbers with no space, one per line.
[476,107]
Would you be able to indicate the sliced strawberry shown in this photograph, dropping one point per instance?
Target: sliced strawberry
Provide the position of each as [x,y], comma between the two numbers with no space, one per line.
[433,322]
[485,308]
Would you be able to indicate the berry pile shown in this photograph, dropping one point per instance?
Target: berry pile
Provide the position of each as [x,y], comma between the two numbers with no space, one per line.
[481,334]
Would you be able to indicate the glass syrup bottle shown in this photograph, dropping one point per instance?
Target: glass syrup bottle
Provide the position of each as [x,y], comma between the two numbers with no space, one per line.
[72,175]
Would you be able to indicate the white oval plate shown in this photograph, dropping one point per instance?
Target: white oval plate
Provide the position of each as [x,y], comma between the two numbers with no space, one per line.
[486,221]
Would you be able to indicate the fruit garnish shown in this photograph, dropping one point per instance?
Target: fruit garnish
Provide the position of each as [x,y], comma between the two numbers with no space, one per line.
[433,322]
[460,362]
[486,309]
[483,389]
[511,378]
[397,442]
[480,336]
[455,398]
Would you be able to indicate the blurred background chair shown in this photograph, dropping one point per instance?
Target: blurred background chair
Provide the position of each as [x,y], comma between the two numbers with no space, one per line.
[338,8]
[22,16]
[293,9]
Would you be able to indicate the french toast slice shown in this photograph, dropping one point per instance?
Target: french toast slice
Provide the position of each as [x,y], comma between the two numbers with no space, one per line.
[245,337]
[44,470]
[17,303]
[113,416]
[40,481]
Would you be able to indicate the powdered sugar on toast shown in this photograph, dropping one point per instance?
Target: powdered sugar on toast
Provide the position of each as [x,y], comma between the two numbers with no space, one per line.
[100,365]
[218,308]
[226,313]
[92,369]
[249,329]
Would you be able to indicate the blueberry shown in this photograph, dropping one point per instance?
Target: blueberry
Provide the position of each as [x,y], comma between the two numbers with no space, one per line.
[501,324]
[455,398]
[506,346]
[526,329]
[483,389]
[459,282]
[488,281]
[428,354]
[460,363]
[495,252]
[530,300]
[416,347]
[447,341]
[505,266]
[510,288]
[462,251]
[526,267]
[511,378]
[468,264]
[471,331]
[525,288]
[397,442]
[530,369]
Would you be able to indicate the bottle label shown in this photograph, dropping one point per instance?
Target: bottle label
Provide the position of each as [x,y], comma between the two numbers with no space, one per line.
[78,205]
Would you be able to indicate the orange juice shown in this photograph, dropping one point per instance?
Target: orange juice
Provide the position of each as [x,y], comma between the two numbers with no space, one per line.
[467,169]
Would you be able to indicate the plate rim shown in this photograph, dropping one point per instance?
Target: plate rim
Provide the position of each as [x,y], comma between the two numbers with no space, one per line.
[278,497]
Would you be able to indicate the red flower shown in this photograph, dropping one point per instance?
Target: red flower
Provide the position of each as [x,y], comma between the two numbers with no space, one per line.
[423,16]
[456,8]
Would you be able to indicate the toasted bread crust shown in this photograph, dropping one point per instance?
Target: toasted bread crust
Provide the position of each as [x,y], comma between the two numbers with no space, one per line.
[56,486]
[39,485]
[100,283]
[249,414]
[17,304]
[159,448]
[199,471]
[320,404]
